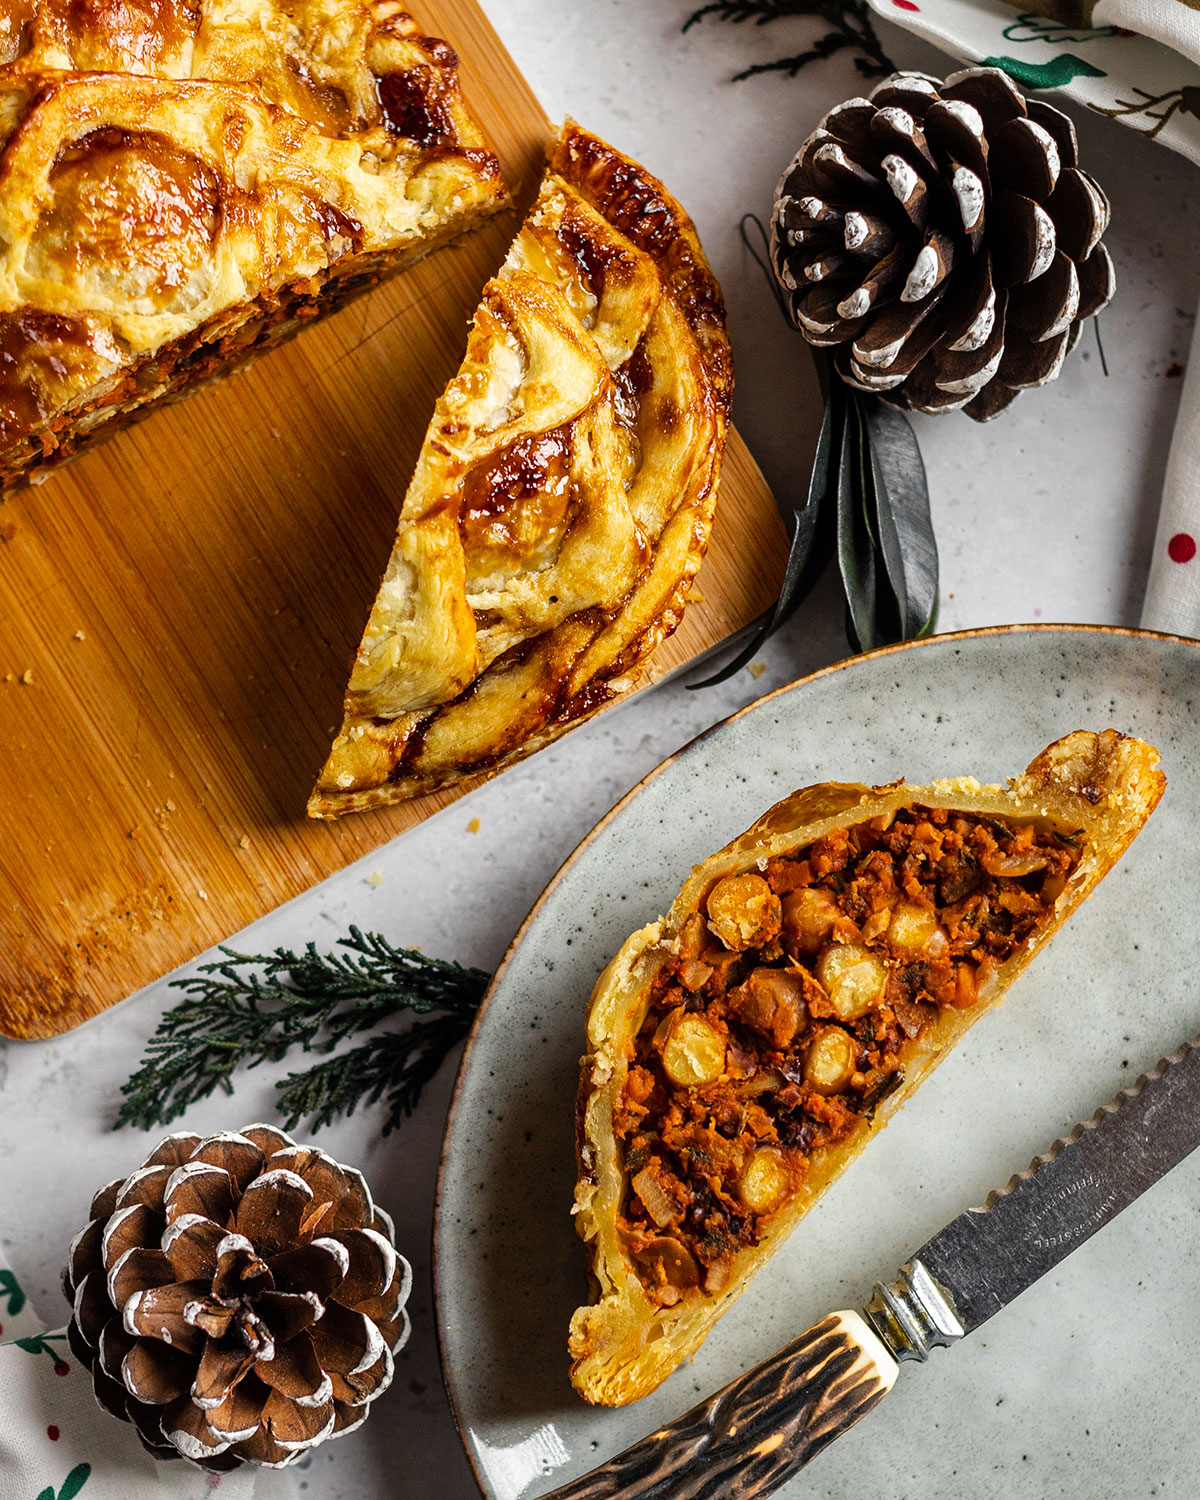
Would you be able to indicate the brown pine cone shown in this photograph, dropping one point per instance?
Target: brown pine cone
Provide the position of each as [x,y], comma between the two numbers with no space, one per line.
[942,239]
[238,1298]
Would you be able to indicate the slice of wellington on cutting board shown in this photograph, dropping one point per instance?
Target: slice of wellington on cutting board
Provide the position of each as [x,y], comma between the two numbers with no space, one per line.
[179,606]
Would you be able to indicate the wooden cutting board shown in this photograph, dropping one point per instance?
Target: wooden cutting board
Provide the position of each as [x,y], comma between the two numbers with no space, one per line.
[179,608]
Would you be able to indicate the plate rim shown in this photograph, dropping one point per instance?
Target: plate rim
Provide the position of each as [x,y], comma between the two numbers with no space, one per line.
[1031,628]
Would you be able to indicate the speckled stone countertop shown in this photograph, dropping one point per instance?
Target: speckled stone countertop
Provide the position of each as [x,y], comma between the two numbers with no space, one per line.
[1046,514]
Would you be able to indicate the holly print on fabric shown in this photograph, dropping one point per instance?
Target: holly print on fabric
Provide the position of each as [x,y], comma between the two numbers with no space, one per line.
[42,1343]
[1033,28]
[1109,70]
[71,1485]
[1054,74]
[17,1316]
[56,1443]
[11,1295]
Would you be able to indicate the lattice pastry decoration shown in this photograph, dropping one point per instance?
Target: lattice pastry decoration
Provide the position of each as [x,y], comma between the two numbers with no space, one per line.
[236,170]
[562,499]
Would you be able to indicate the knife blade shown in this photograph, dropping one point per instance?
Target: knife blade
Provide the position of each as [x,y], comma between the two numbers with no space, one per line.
[759,1430]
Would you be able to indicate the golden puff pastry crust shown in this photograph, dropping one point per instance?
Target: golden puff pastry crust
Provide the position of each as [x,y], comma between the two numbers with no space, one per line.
[186,182]
[345,66]
[743,1050]
[562,499]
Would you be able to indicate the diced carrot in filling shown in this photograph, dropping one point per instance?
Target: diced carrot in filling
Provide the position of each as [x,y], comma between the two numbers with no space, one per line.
[785,1017]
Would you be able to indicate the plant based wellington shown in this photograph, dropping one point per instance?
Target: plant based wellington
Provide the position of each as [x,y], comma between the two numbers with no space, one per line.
[186,185]
[742,1051]
[782,1020]
[563,497]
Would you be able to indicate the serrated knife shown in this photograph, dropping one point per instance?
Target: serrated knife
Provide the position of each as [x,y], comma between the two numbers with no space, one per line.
[757,1432]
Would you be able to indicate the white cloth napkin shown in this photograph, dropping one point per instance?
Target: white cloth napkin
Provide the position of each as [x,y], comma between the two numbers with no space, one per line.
[1174,22]
[1173,588]
[56,1442]
[1172,601]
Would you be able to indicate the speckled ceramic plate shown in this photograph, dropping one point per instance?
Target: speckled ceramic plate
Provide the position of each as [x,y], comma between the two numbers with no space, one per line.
[1086,1386]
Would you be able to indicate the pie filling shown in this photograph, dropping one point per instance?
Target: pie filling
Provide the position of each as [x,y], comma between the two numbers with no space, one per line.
[789,1010]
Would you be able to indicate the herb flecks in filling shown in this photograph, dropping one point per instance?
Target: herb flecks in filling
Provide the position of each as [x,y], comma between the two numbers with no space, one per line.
[784,1017]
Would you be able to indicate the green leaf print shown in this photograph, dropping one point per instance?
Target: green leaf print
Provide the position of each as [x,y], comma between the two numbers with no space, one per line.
[1032,28]
[10,1288]
[74,1481]
[42,1343]
[1054,74]
[71,1485]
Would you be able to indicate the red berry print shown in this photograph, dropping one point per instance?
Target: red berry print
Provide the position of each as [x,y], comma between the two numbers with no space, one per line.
[61,1367]
[52,1433]
[1182,547]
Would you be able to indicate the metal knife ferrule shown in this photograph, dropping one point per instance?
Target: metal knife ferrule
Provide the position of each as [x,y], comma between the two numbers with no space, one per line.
[914,1315]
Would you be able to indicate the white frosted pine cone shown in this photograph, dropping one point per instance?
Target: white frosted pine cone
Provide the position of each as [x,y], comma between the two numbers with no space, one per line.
[238,1298]
[943,241]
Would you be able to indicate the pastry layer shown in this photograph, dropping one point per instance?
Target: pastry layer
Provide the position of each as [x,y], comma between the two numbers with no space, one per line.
[742,1051]
[158,227]
[562,499]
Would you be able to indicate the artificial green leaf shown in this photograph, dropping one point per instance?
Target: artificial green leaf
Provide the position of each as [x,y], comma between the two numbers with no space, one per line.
[904,527]
[889,541]
[867,501]
[811,544]
[856,556]
[887,606]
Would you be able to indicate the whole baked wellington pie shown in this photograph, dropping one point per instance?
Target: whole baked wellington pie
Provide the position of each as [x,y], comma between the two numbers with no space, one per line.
[743,1050]
[185,183]
[562,499]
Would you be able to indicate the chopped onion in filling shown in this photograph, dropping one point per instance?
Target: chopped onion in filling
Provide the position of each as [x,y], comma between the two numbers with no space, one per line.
[787,1011]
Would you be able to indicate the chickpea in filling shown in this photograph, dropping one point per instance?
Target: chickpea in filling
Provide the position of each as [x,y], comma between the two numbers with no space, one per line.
[783,1019]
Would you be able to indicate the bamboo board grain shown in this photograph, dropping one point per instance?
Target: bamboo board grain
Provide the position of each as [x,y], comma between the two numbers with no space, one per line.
[179,607]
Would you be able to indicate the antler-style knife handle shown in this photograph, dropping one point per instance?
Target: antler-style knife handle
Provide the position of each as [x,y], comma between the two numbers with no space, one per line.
[751,1436]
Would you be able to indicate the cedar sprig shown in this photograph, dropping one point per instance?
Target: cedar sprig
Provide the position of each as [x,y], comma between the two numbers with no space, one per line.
[398,1064]
[246,1009]
[851,20]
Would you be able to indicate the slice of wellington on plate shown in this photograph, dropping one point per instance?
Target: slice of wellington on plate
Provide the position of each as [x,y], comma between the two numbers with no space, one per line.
[563,496]
[744,1049]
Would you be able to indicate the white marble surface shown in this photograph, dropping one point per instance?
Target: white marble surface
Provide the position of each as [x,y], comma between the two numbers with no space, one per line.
[1046,514]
